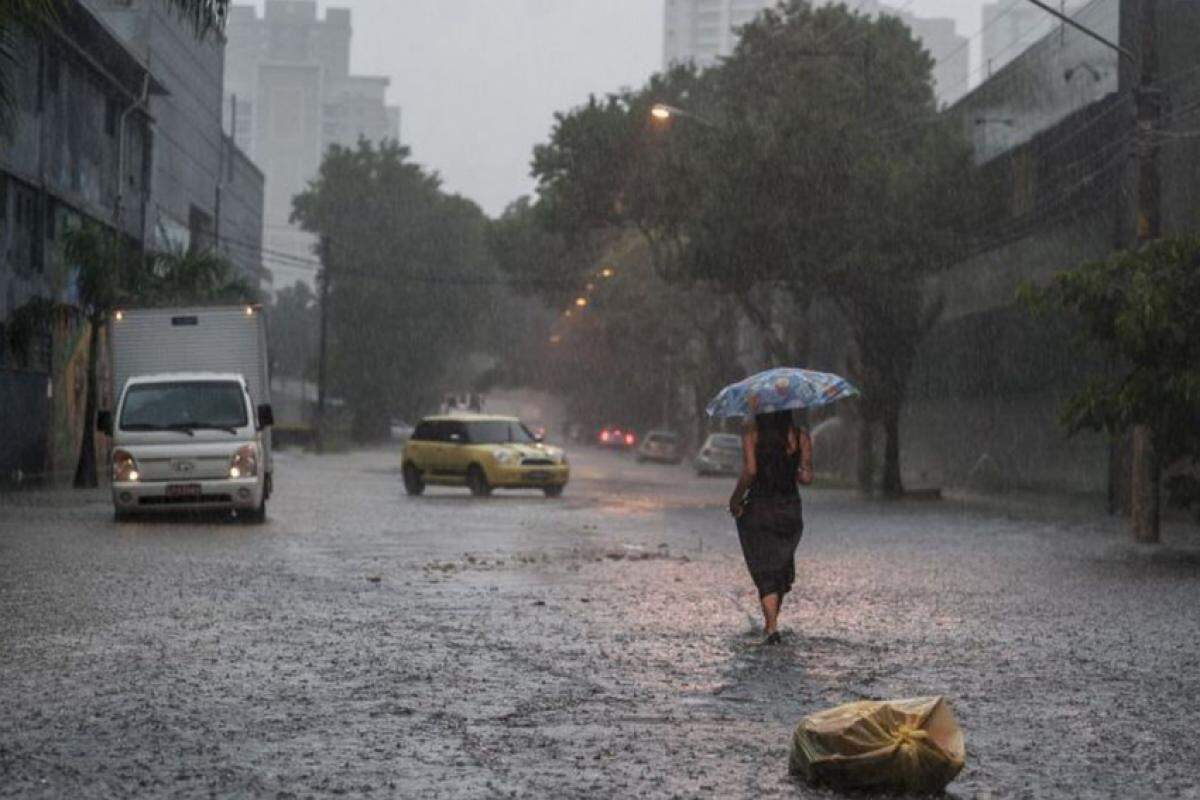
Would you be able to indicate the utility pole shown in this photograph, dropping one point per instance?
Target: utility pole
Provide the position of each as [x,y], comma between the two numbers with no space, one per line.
[1145,479]
[323,277]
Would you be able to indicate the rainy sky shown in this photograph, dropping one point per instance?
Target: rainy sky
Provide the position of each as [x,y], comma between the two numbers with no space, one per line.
[479,80]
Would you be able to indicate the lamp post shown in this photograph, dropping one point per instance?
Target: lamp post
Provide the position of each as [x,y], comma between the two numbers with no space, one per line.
[662,112]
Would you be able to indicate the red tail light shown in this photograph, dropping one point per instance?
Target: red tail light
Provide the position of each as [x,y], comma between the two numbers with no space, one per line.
[604,436]
[629,438]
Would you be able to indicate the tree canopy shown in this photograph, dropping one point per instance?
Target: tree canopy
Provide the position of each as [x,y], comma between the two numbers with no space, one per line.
[411,283]
[808,171]
[1142,308]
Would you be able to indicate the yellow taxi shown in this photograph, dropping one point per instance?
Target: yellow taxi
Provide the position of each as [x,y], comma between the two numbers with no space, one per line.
[481,452]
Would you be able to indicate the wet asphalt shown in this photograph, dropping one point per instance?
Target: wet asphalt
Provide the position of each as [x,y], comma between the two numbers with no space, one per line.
[605,644]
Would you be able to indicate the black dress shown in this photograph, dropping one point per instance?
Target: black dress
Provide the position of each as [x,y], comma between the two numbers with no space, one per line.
[773,521]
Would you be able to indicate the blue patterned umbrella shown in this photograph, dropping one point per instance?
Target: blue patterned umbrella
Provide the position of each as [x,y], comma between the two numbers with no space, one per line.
[779,389]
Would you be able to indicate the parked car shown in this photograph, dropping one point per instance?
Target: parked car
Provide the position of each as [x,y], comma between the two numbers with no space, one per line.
[482,453]
[721,454]
[191,429]
[616,437]
[660,446]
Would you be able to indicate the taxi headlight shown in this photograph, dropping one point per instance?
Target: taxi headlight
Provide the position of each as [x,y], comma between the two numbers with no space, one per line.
[505,456]
[244,463]
[124,467]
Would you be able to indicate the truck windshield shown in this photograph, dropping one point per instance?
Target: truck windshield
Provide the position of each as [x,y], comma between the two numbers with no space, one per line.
[498,432]
[184,405]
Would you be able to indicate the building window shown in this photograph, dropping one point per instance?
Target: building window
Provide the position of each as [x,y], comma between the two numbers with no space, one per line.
[112,114]
[200,230]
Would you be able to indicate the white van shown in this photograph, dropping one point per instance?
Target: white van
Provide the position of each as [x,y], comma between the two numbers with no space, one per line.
[191,428]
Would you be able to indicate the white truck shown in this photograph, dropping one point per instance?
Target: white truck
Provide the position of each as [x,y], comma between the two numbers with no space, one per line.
[191,427]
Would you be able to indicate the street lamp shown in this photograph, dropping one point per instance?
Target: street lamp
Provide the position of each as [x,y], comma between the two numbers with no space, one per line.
[607,272]
[581,302]
[663,113]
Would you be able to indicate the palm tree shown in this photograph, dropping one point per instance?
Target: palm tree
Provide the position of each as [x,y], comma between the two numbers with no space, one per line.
[203,15]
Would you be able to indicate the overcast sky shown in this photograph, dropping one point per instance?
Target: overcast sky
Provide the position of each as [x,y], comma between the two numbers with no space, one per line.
[479,80]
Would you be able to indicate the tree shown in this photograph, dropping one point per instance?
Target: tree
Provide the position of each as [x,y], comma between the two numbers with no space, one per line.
[841,183]
[808,170]
[294,327]
[1143,310]
[410,279]
[205,16]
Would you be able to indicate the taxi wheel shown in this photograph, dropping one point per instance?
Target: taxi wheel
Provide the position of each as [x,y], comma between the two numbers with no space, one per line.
[553,491]
[413,484]
[477,481]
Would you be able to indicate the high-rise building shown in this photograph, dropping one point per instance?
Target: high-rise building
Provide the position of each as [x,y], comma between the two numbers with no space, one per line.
[289,96]
[1010,26]
[950,52]
[703,31]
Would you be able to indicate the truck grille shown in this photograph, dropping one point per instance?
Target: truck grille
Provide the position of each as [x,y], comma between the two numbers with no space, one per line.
[174,501]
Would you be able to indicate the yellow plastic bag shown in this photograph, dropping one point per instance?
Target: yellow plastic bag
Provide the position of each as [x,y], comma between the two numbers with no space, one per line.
[883,745]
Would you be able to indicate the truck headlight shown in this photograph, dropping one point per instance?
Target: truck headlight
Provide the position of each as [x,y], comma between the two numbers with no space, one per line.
[124,467]
[244,463]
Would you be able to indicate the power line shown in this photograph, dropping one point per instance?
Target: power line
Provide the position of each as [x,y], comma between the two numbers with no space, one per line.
[313,266]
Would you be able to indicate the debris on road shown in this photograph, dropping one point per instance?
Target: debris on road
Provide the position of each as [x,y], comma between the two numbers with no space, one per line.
[913,746]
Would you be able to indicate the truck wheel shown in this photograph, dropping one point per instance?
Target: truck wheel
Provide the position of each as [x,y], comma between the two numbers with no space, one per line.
[553,491]
[255,516]
[477,481]
[413,484]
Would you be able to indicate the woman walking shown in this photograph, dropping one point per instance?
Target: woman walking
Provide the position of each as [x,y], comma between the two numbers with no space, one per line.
[776,457]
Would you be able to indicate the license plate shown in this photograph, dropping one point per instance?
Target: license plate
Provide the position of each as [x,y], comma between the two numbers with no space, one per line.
[183,490]
[538,476]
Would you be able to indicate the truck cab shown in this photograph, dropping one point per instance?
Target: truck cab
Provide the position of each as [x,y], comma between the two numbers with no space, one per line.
[189,441]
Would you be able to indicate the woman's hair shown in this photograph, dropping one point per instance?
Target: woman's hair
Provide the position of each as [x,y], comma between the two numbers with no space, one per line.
[773,428]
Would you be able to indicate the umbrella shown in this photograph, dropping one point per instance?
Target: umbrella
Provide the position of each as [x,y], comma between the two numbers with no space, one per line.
[779,389]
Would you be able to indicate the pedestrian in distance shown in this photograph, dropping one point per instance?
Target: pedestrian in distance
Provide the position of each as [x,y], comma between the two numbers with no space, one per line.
[776,460]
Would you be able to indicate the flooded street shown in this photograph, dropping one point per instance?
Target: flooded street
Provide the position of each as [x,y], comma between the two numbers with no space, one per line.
[601,645]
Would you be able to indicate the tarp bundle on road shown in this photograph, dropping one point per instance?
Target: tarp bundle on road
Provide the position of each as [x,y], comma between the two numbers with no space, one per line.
[913,746]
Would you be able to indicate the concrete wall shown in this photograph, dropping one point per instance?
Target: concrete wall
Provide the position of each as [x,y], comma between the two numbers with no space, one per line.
[1058,75]
[992,378]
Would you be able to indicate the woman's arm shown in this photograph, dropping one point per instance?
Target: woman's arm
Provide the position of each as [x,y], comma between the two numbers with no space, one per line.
[804,475]
[737,502]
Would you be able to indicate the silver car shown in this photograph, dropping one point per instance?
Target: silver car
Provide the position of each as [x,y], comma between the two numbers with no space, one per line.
[662,447]
[721,454]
